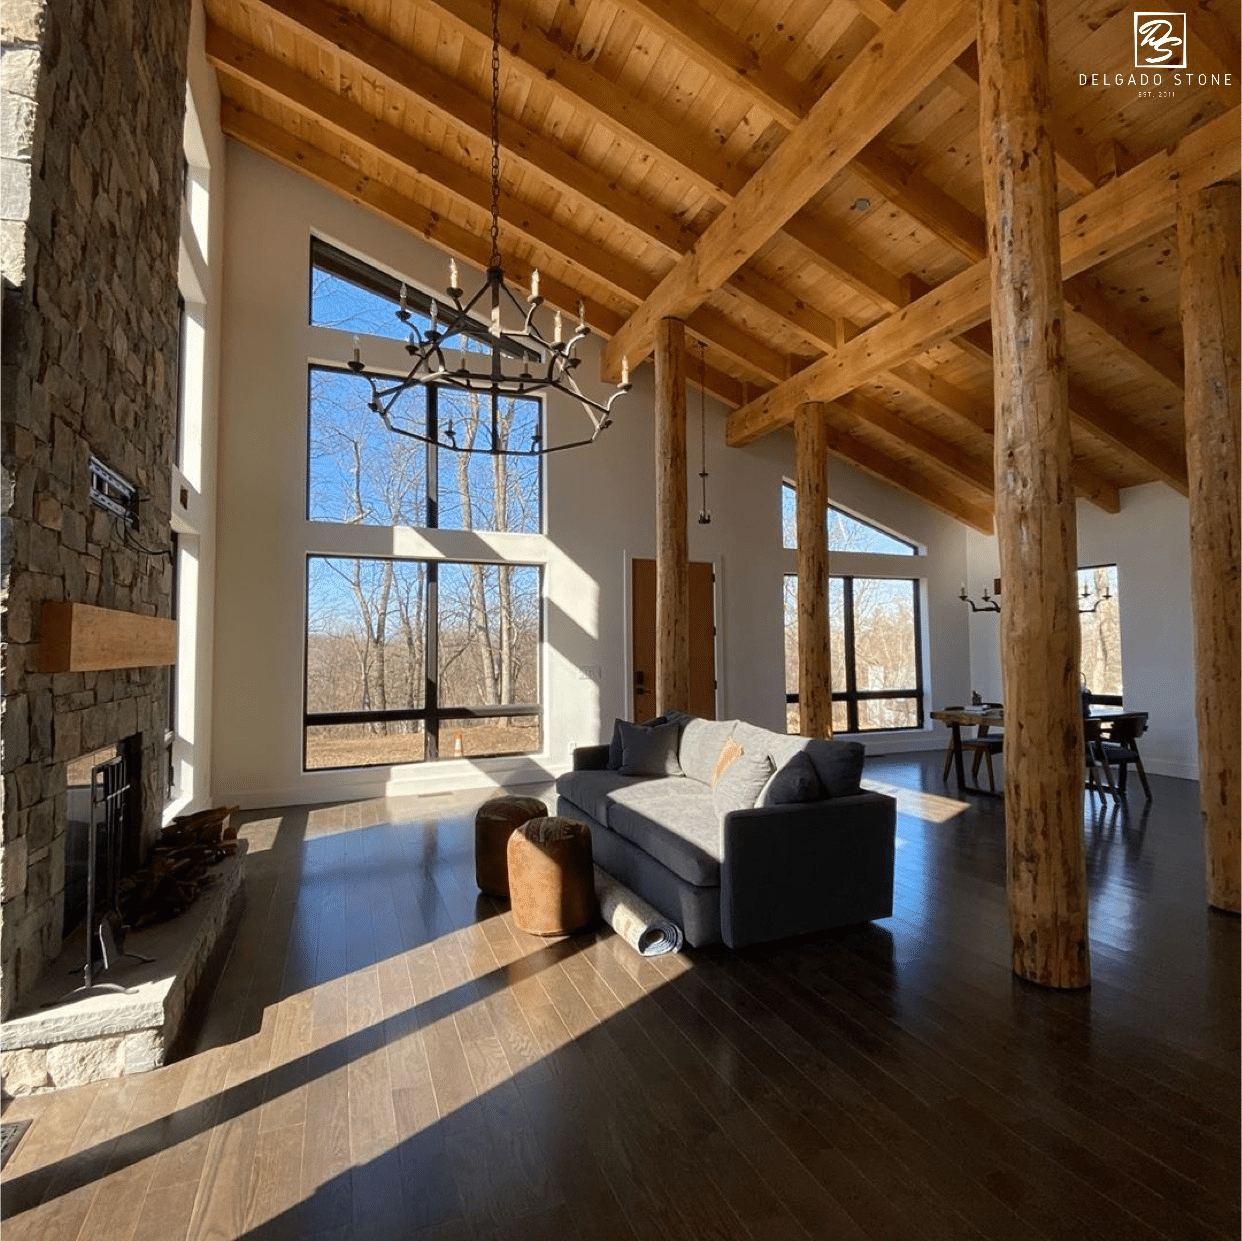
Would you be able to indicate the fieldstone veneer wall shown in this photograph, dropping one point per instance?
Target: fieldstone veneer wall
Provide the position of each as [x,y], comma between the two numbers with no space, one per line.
[93,105]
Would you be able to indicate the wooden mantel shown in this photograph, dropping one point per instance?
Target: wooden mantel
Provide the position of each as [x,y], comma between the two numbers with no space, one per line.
[76,637]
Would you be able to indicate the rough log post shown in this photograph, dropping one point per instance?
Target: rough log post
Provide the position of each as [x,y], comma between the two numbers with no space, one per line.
[814,665]
[1035,518]
[1207,237]
[672,687]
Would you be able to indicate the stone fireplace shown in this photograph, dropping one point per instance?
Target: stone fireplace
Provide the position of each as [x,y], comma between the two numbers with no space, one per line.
[88,254]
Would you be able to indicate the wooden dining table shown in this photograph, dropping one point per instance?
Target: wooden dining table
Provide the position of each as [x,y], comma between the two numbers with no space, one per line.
[994,717]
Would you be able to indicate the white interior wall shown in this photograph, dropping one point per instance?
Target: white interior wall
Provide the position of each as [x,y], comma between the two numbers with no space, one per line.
[200,277]
[1149,541]
[598,513]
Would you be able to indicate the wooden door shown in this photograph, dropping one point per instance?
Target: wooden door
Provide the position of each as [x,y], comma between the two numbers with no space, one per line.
[702,638]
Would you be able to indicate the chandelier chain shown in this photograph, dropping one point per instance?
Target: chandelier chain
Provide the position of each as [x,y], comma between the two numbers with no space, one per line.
[495,259]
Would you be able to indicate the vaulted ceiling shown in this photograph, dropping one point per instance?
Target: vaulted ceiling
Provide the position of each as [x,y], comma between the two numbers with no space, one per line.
[799,180]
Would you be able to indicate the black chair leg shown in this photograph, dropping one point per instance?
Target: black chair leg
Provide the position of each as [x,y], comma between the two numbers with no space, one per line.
[1142,775]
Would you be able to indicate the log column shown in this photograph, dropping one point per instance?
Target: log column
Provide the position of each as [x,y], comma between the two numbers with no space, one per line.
[1207,238]
[1035,518]
[814,664]
[672,671]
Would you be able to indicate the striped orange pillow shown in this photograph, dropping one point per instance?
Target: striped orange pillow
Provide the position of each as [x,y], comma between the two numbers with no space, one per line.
[729,752]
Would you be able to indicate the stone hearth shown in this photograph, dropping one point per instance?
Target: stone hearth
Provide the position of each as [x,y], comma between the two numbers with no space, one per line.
[114,1034]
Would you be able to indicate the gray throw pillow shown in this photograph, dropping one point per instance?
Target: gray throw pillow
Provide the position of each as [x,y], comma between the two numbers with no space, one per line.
[649,751]
[615,756]
[740,783]
[792,783]
[838,764]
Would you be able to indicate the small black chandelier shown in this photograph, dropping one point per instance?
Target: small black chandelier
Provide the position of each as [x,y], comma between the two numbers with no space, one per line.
[553,361]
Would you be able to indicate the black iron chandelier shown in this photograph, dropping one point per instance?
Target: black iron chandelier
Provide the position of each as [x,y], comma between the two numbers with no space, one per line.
[545,365]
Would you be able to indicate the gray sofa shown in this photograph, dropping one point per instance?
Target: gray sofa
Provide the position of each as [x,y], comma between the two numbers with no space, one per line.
[741,875]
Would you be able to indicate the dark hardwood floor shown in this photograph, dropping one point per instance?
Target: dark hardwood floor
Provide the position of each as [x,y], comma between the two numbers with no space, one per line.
[386,1055]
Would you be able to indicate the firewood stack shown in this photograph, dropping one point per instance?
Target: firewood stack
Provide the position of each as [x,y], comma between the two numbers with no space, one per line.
[176,868]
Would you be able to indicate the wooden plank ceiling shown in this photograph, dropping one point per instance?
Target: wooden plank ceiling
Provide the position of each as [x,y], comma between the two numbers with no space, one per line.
[797,179]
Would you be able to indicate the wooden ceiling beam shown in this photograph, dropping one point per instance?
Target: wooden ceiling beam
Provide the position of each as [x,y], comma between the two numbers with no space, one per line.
[960,228]
[714,47]
[973,472]
[276,80]
[898,474]
[1076,162]
[1114,430]
[877,84]
[1106,222]
[577,82]
[1142,349]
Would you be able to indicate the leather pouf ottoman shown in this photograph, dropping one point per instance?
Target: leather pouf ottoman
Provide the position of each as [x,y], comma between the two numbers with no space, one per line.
[493,825]
[551,877]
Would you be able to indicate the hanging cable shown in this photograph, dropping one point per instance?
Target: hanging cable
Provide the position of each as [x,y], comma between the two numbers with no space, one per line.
[705,517]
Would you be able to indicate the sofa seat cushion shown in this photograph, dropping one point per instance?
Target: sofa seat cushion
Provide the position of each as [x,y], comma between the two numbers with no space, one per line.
[673,821]
[590,790]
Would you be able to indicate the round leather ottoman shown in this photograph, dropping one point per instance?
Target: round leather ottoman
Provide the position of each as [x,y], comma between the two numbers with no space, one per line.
[493,825]
[551,877]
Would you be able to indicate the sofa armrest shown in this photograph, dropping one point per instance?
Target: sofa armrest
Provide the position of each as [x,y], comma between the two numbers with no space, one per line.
[591,758]
[788,870]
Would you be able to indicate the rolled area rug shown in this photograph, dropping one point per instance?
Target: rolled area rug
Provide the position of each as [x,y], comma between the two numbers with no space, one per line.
[645,929]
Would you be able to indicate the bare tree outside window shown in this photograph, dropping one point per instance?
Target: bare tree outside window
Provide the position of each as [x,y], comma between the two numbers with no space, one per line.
[374,694]
[1101,631]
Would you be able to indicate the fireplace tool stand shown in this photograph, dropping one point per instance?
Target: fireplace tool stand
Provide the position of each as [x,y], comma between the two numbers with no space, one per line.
[111,793]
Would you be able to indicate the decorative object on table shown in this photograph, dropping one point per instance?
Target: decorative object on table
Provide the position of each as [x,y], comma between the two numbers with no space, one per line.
[499,377]
[989,604]
[976,698]
[551,876]
[494,823]
[644,928]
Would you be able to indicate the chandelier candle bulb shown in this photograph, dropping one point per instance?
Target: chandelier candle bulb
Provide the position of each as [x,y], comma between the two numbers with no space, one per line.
[625,370]
[357,350]
[435,313]
[581,314]
[403,295]
[452,273]
[534,284]
[557,328]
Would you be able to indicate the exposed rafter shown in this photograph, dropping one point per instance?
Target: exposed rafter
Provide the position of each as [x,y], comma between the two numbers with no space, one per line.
[1105,223]
[924,38]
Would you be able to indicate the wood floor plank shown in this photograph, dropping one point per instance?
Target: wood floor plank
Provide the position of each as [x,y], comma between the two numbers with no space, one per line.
[386,1054]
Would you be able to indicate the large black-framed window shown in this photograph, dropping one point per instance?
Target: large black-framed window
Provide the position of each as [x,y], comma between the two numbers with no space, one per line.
[409,661]
[360,473]
[876,653]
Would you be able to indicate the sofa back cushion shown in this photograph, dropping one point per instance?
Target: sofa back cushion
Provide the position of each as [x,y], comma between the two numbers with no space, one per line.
[740,783]
[649,751]
[838,764]
[701,743]
[793,783]
[615,754]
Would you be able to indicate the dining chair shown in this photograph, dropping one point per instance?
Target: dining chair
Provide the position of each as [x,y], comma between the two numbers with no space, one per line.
[1119,748]
[1099,773]
[983,745]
